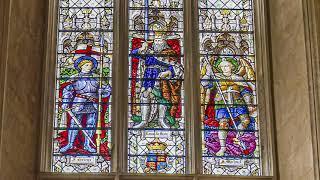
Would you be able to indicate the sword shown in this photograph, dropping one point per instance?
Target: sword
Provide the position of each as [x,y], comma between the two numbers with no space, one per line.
[79,125]
[146,19]
[229,111]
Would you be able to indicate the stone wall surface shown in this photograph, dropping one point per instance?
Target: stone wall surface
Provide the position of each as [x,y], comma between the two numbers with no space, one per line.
[22,76]
[291,91]
[22,32]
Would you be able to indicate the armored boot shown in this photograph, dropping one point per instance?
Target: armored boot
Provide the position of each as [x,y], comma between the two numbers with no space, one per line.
[222,138]
[162,117]
[91,125]
[71,137]
[86,145]
[145,112]
[153,108]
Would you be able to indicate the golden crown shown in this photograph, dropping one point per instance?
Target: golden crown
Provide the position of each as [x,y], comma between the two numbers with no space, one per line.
[157,145]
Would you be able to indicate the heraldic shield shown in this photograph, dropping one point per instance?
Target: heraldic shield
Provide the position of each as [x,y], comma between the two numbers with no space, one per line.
[157,156]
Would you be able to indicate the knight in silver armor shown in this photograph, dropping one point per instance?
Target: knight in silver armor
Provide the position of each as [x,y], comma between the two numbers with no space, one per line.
[81,96]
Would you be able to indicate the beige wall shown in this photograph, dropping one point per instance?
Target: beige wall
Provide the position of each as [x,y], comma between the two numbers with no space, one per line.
[291,92]
[21,65]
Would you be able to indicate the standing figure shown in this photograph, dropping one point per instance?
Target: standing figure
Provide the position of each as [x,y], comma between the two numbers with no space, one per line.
[229,108]
[156,67]
[80,98]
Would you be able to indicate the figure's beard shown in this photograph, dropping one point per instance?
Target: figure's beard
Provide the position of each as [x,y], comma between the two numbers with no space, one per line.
[159,47]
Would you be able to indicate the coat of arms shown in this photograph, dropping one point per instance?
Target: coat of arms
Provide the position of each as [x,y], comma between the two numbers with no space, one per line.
[157,156]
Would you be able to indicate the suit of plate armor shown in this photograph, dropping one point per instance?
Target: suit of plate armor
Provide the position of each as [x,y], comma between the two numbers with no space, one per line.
[82,96]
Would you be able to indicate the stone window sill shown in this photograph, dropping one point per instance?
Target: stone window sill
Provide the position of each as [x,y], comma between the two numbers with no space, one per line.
[54,176]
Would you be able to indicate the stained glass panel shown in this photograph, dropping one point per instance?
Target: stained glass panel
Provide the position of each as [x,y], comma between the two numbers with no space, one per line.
[229,106]
[156,134]
[82,123]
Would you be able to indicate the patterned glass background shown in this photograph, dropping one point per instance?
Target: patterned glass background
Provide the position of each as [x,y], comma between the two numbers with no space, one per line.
[82,124]
[230,124]
[156,139]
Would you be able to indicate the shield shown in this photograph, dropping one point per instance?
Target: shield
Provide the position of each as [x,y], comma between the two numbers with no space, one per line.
[156,162]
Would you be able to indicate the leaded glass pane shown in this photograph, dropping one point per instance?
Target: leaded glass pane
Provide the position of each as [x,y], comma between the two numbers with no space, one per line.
[156,134]
[229,106]
[82,123]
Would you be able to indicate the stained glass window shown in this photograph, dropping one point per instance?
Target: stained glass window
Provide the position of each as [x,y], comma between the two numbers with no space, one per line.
[156,134]
[230,126]
[156,138]
[81,140]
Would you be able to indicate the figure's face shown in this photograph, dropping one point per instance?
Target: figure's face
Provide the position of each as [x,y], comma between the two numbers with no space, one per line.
[226,67]
[158,41]
[158,44]
[87,67]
